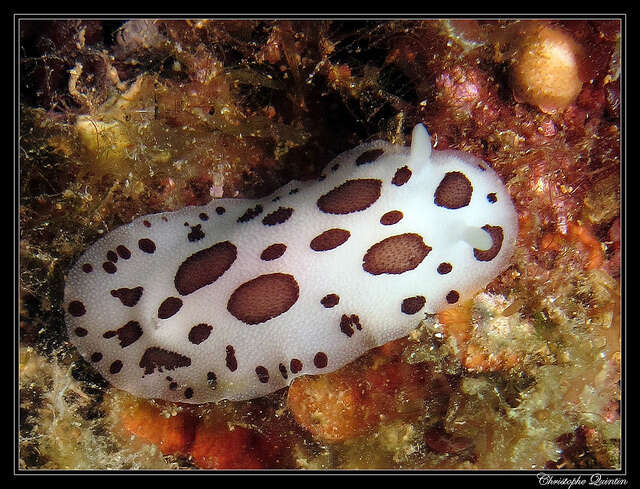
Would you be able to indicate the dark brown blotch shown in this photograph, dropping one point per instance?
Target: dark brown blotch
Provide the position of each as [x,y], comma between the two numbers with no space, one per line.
[329,240]
[391,217]
[278,216]
[169,307]
[412,305]
[330,300]
[453,296]
[396,254]
[348,322]
[369,156]
[109,267]
[196,233]
[147,245]
[127,334]
[401,176]
[251,213]
[295,365]
[263,374]
[199,333]
[128,297]
[115,367]
[212,380]
[204,267]
[351,196]
[273,252]
[497,237]
[123,251]
[230,360]
[444,268]
[454,191]
[81,332]
[283,371]
[320,360]
[112,256]
[263,298]
[159,358]
[76,308]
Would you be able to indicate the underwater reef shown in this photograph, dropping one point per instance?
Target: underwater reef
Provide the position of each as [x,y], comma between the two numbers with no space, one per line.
[119,119]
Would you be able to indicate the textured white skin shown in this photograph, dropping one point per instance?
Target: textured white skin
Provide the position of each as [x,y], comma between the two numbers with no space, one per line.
[307,327]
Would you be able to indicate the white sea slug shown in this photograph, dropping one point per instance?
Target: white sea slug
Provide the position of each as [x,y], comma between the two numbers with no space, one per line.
[235,299]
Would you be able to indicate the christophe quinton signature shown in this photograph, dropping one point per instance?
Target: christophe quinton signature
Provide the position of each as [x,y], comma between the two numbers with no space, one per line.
[595,479]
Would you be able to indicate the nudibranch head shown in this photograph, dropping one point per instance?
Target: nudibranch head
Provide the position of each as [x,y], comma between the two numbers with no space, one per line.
[235,299]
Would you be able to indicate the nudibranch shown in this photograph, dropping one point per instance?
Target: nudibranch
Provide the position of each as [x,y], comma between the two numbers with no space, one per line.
[235,299]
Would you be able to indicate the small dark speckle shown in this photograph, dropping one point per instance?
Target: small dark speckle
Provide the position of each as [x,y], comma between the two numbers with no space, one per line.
[196,233]
[250,213]
[212,380]
[453,296]
[115,367]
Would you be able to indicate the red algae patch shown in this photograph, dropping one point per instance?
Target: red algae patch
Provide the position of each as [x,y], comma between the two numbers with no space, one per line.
[366,396]
[222,445]
[218,447]
[172,434]
[485,346]
[546,69]
[579,236]
[209,440]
